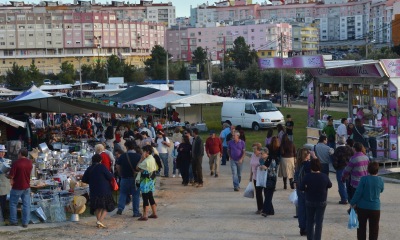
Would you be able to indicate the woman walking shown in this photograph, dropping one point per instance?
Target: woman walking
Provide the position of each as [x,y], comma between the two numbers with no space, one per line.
[183,159]
[316,186]
[288,158]
[271,167]
[274,149]
[254,164]
[101,201]
[367,201]
[302,169]
[148,168]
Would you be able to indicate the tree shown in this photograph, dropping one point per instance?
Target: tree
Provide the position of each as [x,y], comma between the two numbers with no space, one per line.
[182,72]
[67,73]
[252,77]
[16,77]
[156,64]
[199,56]
[241,54]
[34,74]
[128,72]
[115,66]
[99,72]
[396,49]
[87,72]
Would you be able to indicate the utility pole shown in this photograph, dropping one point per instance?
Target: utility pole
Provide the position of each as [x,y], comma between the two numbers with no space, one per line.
[167,69]
[282,87]
[209,70]
[366,48]
[80,75]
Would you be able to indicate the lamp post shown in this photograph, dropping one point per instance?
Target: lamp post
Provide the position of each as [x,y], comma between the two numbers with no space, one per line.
[167,68]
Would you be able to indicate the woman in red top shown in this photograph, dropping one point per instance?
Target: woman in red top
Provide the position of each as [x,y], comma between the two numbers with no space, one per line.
[105,159]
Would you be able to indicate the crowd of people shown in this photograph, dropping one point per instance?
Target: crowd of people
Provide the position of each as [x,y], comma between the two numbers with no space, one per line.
[147,151]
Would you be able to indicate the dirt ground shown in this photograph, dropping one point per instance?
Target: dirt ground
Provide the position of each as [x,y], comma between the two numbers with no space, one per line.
[215,212]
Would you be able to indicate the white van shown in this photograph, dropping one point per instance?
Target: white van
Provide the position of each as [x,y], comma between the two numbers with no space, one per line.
[253,114]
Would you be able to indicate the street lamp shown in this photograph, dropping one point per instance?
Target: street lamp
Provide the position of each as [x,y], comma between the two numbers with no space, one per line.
[167,68]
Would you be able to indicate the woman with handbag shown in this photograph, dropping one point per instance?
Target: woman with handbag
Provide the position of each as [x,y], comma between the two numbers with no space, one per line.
[101,200]
[147,177]
[254,164]
[366,199]
[269,164]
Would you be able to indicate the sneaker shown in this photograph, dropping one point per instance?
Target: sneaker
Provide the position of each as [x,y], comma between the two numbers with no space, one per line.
[24,225]
[199,185]
[236,189]
[173,176]
[119,212]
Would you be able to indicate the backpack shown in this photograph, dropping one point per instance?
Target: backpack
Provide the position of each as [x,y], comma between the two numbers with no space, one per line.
[158,161]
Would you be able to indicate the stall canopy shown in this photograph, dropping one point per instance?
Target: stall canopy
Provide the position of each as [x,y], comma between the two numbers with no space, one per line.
[13,122]
[161,102]
[60,105]
[8,92]
[200,98]
[132,93]
[55,87]
[31,93]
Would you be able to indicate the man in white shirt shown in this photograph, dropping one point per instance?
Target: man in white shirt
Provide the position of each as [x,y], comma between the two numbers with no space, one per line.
[163,144]
[342,129]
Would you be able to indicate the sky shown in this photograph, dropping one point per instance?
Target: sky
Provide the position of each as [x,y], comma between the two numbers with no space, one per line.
[182,7]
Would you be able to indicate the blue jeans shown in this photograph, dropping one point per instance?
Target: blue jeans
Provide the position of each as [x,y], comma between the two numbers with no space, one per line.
[315,217]
[301,209]
[164,159]
[25,196]
[236,168]
[225,156]
[127,187]
[341,186]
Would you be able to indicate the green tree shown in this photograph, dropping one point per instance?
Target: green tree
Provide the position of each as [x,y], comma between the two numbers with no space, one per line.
[182,75]
[252,77]
[87,72]
[16,77]
[115,66]
[34,74]
[128,72]
[156,64]
[396,49]
[199,56]
[67,73]
[241,54]
[99,72]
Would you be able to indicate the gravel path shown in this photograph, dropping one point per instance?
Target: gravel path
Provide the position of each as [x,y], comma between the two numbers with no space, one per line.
[215,212]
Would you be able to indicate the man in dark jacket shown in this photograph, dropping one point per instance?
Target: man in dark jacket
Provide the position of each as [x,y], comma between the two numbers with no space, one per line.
[197,158]
[341,157]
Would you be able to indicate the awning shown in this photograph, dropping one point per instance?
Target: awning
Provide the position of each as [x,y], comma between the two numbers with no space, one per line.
[201,98]
[12,122]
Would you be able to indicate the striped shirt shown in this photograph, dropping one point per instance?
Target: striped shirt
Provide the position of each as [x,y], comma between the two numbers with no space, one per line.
[356,168]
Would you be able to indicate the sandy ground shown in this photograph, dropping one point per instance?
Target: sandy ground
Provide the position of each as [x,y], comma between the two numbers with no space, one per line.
[214,212]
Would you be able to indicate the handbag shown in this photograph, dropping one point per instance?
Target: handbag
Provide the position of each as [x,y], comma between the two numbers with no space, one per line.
[249,191]
[293,198]
[261,180]
[114,185]
[353,220]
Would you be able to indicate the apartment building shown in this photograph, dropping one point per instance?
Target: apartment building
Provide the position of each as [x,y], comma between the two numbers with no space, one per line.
[262,37]
[340,21]
[50,34]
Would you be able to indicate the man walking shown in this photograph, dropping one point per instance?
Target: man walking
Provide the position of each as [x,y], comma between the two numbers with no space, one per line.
[224,133]
[197,158]
[289,127]
[236,152]
[20,176]
[125,166]
[341,157]
[214,152]
[323,153]
[341,131]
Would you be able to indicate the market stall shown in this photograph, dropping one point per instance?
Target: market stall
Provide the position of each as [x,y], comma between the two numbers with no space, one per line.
[372,97]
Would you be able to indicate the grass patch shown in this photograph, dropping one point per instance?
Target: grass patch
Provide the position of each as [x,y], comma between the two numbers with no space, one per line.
[392,175]
[212,117]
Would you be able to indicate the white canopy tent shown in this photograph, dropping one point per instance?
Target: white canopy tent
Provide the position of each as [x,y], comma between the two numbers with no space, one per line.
[194,114]
[161,102]
[31,93]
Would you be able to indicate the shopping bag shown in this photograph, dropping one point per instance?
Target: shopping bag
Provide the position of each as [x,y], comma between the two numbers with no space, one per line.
[113,184]
[293,197]
[353,220]
[261,180]
[249,191]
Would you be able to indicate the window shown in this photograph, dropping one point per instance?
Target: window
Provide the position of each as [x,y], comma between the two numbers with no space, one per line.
[48,42]
[48,34]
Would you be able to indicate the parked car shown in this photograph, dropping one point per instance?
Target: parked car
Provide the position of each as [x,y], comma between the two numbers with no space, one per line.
[47,82]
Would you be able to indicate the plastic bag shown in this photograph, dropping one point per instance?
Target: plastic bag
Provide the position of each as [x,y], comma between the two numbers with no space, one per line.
[353,220]
[249,191]
[293,197]
[261,180]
